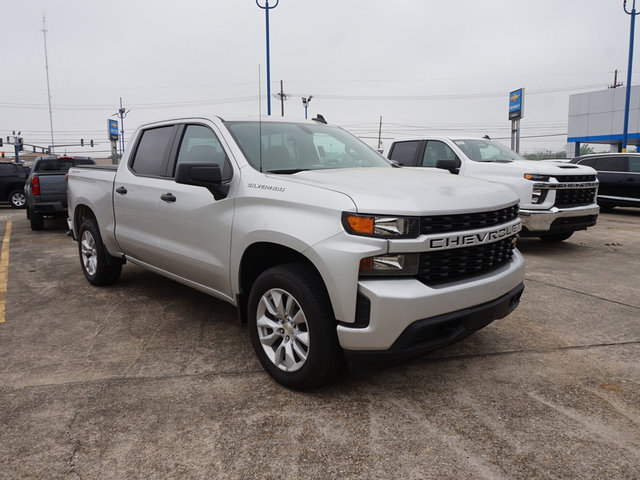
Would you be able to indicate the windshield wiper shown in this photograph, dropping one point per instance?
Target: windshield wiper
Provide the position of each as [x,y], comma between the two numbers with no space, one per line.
[287,171]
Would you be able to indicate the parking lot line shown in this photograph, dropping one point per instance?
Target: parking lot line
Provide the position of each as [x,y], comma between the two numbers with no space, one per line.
[4,270]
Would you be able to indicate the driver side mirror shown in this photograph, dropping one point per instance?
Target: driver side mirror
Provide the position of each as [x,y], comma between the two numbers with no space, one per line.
[206,175]
[452,165]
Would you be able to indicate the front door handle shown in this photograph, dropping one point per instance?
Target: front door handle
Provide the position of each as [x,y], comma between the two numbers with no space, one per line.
[168,197]
[121,190]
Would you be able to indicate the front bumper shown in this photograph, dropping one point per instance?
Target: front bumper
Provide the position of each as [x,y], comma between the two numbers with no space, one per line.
[429,334]
[396,304]
[542,221]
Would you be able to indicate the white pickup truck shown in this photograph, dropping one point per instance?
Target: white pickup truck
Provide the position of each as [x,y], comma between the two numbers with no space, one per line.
[326,249]
[555,199]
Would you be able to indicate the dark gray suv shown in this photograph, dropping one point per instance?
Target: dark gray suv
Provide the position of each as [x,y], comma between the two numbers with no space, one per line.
[619,176]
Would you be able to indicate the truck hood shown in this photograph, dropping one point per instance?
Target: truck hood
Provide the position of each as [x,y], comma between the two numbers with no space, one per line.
[548,168]
[409,191]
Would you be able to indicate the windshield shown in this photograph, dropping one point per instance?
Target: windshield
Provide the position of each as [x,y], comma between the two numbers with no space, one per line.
[487,151]
[292,147]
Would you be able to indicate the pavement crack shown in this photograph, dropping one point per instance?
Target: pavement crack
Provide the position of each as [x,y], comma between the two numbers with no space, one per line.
[528,279]
[72,460]
[146,342]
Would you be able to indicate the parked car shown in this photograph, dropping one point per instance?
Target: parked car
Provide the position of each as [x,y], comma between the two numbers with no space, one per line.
[46,189]
[12,180]
[619,176]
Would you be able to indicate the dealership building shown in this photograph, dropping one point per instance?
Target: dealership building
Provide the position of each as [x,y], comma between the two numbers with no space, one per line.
[598,117]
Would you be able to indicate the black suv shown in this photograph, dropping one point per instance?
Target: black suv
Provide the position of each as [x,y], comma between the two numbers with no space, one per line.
[619,176]
[12,179]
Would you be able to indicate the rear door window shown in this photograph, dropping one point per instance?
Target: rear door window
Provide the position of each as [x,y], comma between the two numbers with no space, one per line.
[611,164]
[152,153]
[405,152]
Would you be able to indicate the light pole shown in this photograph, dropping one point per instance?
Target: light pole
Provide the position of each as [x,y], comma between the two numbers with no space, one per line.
[266,9]
[305,102]
[633,14]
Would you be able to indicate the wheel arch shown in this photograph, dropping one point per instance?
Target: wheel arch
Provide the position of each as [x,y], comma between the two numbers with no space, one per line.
[12,187]
[261,256]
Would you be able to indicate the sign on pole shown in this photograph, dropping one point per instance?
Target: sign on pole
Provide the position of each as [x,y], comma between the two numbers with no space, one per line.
[113,129]
[516,104]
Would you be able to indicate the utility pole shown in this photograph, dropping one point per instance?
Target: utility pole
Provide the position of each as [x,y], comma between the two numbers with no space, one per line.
[122,112]
[46,66]
[615,84]
[266,9]
[380,133]
[282,96]
[633,14]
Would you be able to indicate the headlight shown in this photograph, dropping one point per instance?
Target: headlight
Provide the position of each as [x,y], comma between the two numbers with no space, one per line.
[401,264]
[536,178]
[381,226]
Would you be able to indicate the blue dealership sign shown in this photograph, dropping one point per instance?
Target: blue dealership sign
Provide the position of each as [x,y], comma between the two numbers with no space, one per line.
[113,129]
[516,104]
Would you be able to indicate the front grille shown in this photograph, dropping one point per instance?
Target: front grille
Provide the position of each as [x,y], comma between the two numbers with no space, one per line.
[575,197]
[466,221]
[575,178]
[454,264]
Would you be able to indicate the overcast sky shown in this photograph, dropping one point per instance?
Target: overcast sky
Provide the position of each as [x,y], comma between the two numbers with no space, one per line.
[425,66]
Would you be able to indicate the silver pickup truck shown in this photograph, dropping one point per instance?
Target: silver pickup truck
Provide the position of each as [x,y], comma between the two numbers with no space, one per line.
[327,249]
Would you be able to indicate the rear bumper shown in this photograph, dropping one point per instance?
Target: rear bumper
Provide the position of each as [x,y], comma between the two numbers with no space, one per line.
[429,334]
[49,208]
[549,221]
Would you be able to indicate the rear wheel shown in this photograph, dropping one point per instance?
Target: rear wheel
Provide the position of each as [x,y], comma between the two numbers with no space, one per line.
[555,237]
[98,266]
[292,327]
[17,199]
[37,221]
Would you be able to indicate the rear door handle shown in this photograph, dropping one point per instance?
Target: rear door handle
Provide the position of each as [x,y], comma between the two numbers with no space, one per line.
[168,197]
[121,190]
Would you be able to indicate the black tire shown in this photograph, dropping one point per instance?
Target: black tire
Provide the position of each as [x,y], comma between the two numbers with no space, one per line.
[302,288]
[37,221]
[17,199]
[28,213]
[555,237]
[93,256]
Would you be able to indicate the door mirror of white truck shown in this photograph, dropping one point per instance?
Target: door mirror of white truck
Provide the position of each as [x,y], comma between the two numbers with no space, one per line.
[206,175]
[452,165]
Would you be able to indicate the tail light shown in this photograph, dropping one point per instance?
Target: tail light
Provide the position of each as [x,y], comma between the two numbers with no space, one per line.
[35,186]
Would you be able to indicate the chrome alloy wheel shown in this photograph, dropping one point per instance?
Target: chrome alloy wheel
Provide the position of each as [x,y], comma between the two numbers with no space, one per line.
[18,199]
[283,330]
[89,253]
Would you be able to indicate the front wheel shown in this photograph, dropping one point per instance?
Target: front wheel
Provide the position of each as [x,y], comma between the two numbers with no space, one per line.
[93,256]
[292,327]
[17,199]
[555,237]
